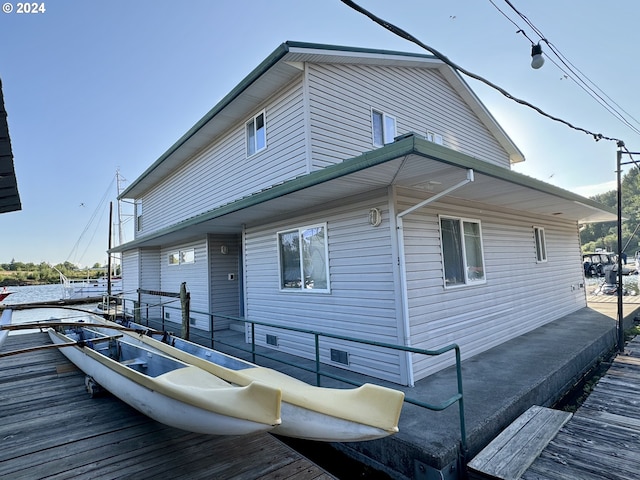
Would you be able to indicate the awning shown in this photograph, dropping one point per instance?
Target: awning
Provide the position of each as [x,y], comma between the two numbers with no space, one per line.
[408,162]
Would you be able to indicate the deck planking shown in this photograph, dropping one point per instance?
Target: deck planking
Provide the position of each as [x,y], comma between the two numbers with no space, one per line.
[602,439]
[51,428]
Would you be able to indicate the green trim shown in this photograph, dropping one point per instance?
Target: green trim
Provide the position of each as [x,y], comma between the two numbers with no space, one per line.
[409,145]
[266,64]
[252,77]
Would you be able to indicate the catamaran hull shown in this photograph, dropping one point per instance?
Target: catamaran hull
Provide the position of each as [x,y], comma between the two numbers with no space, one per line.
[161,408]
[306,419]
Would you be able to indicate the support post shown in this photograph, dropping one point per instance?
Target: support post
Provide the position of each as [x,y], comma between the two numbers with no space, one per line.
[185,300]
[619,289]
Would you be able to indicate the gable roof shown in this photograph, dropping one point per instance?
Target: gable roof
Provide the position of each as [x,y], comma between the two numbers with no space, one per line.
[411,162]
[279,68]
[9,196]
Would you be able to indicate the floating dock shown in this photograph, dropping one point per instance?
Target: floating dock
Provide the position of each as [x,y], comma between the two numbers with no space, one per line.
[50,427]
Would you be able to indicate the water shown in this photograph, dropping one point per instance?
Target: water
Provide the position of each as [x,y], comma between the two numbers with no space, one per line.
[34,293]
[31,294]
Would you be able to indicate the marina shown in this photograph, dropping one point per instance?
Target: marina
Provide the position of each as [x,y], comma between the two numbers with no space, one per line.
[498,386]
[102,437]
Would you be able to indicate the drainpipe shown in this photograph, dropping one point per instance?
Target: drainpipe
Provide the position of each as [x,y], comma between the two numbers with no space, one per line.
[403,267]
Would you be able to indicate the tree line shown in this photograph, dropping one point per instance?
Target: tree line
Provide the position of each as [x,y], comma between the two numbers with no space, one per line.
[20,273]
[605,235]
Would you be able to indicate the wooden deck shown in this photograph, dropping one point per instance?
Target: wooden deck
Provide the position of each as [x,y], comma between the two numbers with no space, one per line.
[50,428]
[602,439]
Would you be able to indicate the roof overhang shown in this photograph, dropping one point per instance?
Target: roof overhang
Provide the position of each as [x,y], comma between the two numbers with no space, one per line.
[280,68]
[9,196]
[409,162]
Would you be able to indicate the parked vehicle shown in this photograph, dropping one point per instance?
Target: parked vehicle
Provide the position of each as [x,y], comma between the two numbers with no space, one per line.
[595,263]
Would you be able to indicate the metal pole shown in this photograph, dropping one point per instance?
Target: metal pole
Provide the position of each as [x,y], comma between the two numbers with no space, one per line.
[619,289]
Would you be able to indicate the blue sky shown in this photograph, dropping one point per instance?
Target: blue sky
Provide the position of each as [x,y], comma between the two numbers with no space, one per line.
[92,87]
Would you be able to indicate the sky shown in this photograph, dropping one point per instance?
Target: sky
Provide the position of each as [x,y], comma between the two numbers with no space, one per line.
[94,88]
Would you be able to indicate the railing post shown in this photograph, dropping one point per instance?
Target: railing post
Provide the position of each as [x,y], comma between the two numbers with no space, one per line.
[211,328]
[253,342]
[318,376]
[185,300]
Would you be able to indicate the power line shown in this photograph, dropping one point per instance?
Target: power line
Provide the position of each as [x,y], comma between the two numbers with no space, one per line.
[407,36]
[572,72]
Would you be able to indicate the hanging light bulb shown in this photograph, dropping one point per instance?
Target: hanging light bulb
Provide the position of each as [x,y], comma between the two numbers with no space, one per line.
[537,60]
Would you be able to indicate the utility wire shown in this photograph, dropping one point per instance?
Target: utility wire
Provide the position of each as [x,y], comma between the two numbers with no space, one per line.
[407,36]
[571,71]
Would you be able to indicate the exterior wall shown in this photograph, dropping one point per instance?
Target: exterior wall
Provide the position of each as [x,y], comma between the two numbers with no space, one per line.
[519,295]
[130,279]
[222,172]
[196,276]
[150,280]
[341,98]
[362,302]
[225,292]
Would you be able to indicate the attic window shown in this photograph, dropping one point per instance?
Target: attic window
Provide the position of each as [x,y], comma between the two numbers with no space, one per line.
[384,128]
[435,138]
[256,134]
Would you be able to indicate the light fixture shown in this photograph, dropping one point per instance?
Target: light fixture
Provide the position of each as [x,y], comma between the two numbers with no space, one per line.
[375,217]
[537,60]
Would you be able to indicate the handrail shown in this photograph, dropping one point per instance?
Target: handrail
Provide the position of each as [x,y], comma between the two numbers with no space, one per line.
[456,398]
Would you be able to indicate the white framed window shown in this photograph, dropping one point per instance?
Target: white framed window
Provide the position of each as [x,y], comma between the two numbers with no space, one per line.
[180,257]
[256,134]
[462,251]
[138,207]
[174,258]
[541,244]
[303,258]
[435,138]
[383,127]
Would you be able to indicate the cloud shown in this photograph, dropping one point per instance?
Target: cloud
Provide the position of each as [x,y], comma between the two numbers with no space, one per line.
[591,190]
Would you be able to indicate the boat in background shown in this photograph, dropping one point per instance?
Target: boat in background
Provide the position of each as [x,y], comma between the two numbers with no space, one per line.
[4,294]
[164,388]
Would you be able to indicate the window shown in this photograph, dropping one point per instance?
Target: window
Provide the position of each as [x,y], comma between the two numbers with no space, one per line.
[256,134]
[182,257]
[138,206]
[384,128]
[303,259]
[462,251]
[435,138]
[541,244]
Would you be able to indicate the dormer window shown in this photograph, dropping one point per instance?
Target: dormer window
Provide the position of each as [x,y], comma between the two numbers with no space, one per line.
[384,128]
[256,134]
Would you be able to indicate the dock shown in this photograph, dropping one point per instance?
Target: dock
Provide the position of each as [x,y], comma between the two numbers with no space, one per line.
[602,439]
[51,428]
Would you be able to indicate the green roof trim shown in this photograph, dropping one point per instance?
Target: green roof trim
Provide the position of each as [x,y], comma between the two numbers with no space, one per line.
[409,145]
[247,81]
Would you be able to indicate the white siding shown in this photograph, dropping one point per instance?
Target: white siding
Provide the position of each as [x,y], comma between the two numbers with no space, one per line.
[150,280]
[130,279]
[341,98]
[197,279]
[221,173]
[225,292]
[519,295]
[361,304]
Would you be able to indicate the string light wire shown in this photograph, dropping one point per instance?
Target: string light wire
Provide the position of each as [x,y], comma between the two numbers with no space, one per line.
[407,36]
[572,72]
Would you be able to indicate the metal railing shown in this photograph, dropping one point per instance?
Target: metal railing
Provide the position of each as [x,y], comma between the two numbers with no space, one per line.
[458,398]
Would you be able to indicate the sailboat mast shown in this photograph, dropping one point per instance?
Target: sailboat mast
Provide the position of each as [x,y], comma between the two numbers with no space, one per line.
[109,257]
